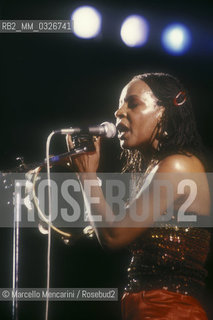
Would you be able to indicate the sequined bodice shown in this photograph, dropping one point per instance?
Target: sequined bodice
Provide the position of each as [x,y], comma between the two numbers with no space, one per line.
[169,258]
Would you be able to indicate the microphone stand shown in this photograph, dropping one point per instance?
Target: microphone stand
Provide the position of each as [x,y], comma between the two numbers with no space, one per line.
[16,256]
[80,148]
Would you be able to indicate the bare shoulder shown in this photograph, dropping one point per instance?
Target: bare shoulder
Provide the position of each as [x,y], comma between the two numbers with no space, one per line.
[181,163]
[188,167]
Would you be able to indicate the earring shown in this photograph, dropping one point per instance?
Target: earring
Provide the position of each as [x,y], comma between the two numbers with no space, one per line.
[165,134]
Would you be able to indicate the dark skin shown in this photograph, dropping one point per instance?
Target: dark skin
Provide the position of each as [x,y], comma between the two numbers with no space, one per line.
[137,118]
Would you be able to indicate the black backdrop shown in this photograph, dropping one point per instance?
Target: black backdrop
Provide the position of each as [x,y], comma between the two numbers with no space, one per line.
[56,80]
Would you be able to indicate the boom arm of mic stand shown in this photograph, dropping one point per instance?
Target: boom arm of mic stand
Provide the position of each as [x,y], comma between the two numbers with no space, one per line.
[54,159]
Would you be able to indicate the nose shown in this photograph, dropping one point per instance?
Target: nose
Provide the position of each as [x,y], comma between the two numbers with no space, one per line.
[121,112]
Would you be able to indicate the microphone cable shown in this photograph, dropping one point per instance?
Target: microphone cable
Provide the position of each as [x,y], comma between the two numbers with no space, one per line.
[49,220]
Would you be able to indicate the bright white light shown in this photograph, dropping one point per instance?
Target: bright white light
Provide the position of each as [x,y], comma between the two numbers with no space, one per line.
[176,39]
[134,31]
[86,22]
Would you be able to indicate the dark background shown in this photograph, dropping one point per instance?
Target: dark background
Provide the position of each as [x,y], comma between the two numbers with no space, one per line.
[51,81]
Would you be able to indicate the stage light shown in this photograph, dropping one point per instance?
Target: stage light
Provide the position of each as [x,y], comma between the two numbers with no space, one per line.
[134,31]
[86,22]
[176,39]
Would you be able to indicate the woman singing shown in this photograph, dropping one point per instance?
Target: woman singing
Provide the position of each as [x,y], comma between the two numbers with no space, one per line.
[158,135]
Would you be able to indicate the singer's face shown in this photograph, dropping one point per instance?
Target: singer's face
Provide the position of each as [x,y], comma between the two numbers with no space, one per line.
[137,116]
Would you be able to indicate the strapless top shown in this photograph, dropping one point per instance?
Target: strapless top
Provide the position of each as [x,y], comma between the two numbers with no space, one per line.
[171,258]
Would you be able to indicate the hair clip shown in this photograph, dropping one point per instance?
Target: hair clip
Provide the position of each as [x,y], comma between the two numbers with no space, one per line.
[181,94]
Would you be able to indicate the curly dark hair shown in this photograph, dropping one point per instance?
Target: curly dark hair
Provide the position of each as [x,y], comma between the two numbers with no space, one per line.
[177,132]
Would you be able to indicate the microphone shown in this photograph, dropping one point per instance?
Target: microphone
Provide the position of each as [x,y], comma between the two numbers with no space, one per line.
[106,129]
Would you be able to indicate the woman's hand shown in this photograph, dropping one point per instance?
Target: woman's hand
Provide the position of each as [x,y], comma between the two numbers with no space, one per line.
[87,162]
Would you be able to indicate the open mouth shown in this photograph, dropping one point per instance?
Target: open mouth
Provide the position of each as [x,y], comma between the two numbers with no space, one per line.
[122,130]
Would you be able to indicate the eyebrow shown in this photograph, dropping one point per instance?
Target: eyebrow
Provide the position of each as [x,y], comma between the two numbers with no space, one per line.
[131,97]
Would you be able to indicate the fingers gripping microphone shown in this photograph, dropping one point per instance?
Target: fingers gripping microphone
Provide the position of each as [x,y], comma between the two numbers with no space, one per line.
[106,129]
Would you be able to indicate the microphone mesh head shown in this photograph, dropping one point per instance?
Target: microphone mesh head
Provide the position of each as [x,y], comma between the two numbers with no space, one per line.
[110,129]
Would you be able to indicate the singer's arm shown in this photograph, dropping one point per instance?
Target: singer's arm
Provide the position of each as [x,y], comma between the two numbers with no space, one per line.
[116,235]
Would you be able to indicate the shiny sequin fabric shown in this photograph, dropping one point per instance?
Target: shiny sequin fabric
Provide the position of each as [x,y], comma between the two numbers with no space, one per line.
[170,258]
